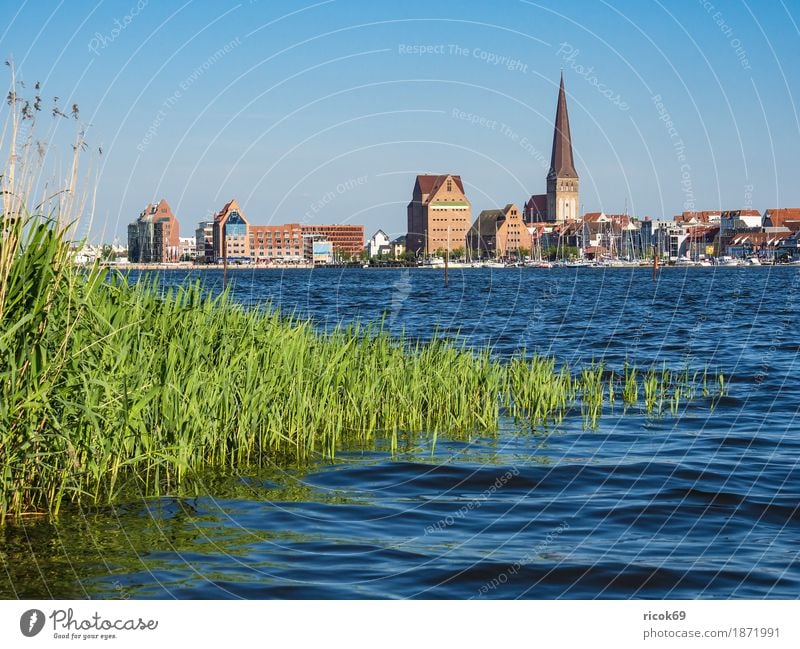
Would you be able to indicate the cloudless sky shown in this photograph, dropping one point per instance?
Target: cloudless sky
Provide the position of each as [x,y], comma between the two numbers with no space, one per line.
[319,111]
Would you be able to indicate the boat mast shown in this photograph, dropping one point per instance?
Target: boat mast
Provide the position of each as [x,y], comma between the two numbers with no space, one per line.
[447,258]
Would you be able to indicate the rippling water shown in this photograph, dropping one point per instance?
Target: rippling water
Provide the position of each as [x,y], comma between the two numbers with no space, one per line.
[702,504]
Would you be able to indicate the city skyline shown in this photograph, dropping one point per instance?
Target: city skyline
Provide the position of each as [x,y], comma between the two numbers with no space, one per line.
[325,112]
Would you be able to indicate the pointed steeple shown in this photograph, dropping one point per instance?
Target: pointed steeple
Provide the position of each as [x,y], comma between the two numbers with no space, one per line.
[561,164]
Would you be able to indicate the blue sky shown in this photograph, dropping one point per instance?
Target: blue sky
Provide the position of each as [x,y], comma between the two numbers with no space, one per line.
[325,111]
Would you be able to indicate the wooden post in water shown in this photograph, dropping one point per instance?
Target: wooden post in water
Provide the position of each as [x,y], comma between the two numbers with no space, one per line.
[224,260]
[655,264]
[447,259]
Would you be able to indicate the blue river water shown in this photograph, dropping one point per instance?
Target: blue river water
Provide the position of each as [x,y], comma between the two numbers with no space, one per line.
[703,503]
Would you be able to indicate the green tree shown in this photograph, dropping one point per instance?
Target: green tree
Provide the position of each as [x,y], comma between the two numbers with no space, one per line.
[559,252]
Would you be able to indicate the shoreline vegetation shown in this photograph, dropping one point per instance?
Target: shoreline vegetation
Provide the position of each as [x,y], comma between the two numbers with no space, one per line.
[110,388]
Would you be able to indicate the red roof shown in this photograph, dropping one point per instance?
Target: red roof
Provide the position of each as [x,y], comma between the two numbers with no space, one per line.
[537,203]
[759,238]
[224,210]
[702,232]
[429,184]
[701,217]
[781,217]
[620,219]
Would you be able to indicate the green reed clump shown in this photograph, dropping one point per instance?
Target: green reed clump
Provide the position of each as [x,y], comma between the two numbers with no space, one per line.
[651,386]
[592,392]
[630,390]
[535,390]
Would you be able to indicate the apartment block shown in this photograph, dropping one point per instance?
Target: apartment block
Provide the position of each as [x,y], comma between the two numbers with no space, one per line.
[154,237]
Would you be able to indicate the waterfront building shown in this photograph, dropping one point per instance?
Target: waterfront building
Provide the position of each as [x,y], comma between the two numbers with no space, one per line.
[204,242]
[540,234]
[154,236]
[397,247]
[765,245]
[789,248]
[187,249]
[229,234]
[626,240]
[500,233]
[248,243]
[284,243]
[594,233]
[675,242]
[572,234]
[317,250]
[439,215]
[346,239]
[787,217]
[693,218]
[732,220]
[378,244]
[701,241]
[653,236]
[86,255]
[615,235]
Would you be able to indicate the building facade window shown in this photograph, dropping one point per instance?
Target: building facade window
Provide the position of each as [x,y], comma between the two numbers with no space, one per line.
[235,226]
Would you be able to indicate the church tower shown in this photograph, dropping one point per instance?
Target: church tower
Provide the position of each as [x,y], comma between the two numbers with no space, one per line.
[562,179]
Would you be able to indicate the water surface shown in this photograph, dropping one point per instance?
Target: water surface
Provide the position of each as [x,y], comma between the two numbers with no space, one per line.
[701,504]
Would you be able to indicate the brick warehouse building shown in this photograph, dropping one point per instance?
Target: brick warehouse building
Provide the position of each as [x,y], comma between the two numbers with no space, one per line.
[276,242]
[499,233]
[439,215]
[154,236]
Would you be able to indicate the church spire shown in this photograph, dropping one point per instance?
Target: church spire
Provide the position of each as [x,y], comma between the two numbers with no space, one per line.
[562,180]
[561,164]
